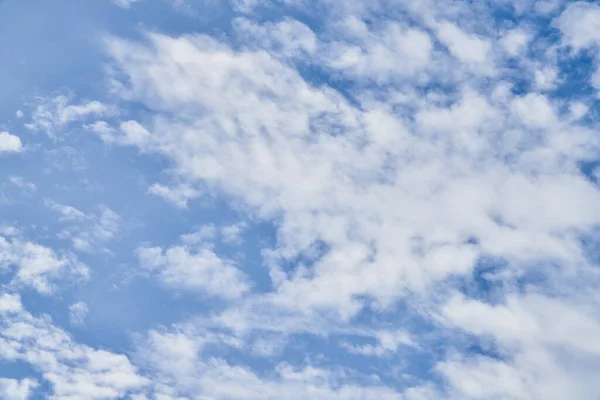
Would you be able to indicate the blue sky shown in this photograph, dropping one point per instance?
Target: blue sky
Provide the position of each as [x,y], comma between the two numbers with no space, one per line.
[260,200]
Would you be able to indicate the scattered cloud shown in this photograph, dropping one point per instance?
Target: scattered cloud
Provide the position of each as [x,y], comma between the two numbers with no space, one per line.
[87,232]
[51,115]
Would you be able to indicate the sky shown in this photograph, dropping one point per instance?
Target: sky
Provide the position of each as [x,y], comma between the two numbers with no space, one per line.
[299,199]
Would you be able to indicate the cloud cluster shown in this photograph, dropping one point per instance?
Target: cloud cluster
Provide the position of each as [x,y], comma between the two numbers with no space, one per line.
[431,176]
[426,166]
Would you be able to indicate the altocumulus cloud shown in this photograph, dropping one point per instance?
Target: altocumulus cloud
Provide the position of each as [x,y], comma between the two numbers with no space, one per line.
[310,200]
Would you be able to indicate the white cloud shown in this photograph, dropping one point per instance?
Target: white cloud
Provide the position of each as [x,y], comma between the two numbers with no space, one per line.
[580,25]
[535,111]
[288,38]
[387,344]
[178,195]
[483,378]
[351,191]
[53,114]
[74,371]
[202,236]
[550,341]
[468,48]
[67,213]
[21,183]
[391,52]
[233,233]
[37,266]
[124,3]
[10,143]
[194,269]
[129,132]
[13,389]
[103,229]
[528,320]
[546,78]
[515,41]
[87,232]
[393,191]
[184,7]
[546,7]
[596,78]
[77,313]
[183,370]
[10,303]
[102,129]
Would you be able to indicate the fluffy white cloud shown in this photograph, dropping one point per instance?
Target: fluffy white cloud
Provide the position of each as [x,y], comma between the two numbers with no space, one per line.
[10,143]
[37,266]
[10,303]
[195,268]
[74,371]
[13,389]
[515,41]
[580,25]
[468,48]
[546,347]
